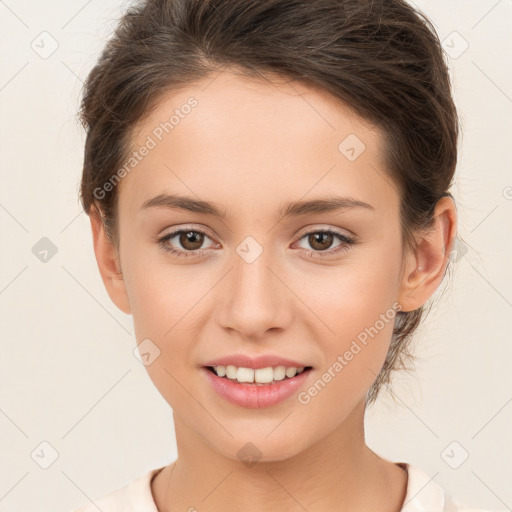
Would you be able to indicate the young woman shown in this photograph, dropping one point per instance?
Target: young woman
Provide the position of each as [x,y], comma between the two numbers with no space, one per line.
[268,189]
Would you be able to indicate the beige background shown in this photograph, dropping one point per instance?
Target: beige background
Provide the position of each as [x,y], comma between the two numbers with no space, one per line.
[68,376]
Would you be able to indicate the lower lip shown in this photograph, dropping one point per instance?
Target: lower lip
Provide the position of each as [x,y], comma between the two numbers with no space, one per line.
[253,396]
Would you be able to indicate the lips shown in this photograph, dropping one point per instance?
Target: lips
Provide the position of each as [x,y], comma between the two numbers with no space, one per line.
[255,396]
[246,393]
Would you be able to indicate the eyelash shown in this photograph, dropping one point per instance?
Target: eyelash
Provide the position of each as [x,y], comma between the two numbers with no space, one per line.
[347,241]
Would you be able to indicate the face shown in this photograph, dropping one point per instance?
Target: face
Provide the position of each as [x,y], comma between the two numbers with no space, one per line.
[319,286]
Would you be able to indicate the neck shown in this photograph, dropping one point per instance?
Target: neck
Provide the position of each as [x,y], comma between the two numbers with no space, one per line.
[338,473]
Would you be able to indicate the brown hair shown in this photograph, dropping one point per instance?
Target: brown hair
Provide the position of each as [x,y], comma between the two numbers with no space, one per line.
[380,57]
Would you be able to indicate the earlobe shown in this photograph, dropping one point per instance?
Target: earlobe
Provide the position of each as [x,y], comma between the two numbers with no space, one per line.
[426,267]
[108,263]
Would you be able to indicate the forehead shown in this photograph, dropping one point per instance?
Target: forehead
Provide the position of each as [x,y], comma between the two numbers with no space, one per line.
[228,134]
[239,105]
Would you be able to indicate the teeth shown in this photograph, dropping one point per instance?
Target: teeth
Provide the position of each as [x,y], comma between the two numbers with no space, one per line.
[231,372]
[291,372]
[259,376]
[245,375]
[279,372]
[263,375]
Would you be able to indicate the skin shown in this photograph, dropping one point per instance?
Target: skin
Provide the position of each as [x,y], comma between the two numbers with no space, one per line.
[250,147]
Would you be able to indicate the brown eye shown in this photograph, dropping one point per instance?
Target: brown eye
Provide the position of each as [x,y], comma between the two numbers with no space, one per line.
[320,241]
[184,242]
[191,240]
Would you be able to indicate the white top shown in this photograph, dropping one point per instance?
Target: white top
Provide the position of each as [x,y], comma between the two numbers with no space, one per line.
[423,495]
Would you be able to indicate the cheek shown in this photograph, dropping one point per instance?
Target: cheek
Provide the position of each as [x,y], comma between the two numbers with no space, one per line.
[161,303]
[346,300]
[353,355]
[162,297]
[354,315]
[166,302]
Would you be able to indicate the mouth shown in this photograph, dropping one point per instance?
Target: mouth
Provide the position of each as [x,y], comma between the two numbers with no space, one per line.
[258,377]
[256,387]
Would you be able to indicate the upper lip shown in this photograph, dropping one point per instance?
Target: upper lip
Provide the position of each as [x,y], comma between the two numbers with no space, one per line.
[255,362]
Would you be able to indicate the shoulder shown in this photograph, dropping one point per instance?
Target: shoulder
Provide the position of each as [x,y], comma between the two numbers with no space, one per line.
[136,496]
[454,505]
[425,495]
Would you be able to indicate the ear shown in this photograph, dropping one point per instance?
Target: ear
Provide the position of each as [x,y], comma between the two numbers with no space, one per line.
[107,258]
[424,268]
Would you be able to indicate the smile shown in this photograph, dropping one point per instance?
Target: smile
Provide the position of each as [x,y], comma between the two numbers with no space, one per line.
[281,383]
[260,376]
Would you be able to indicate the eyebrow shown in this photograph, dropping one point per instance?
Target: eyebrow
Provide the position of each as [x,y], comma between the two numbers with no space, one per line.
[293,209]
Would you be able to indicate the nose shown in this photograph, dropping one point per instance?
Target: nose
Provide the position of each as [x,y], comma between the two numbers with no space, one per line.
[254,298]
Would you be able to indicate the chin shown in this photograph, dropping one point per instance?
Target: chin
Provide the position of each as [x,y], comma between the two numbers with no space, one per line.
[251,449]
